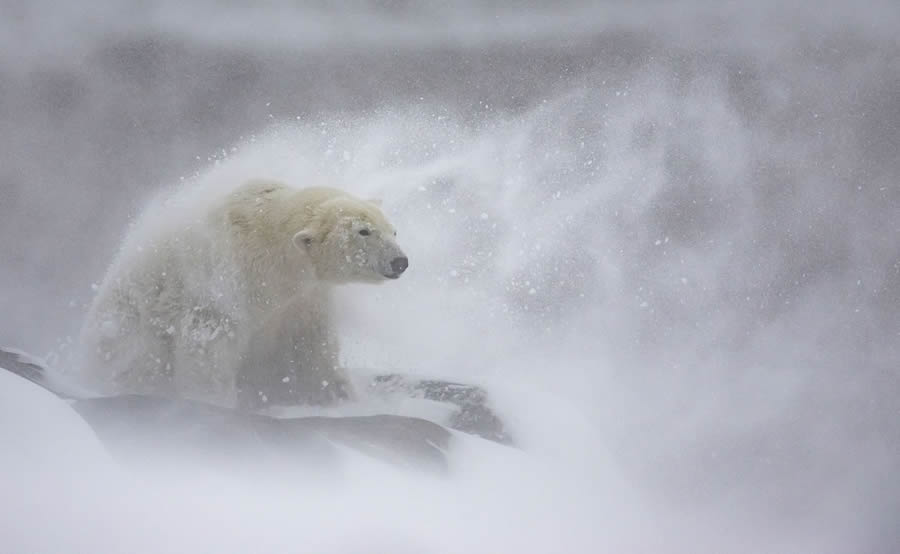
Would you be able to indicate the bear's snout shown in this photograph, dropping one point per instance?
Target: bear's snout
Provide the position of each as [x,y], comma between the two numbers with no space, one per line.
[398,266]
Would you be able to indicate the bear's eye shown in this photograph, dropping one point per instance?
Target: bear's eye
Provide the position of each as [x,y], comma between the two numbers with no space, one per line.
[364,232]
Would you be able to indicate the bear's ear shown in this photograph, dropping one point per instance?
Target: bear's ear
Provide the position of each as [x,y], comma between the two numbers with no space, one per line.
[303,239]
[375,201]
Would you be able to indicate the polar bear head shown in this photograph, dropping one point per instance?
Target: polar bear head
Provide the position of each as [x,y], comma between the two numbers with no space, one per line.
[350,240]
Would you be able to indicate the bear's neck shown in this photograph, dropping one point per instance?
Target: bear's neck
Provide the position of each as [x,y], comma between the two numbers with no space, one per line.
[278,276]
[273,271]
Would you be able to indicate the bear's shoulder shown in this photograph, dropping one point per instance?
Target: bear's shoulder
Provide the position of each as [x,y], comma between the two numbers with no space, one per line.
[262,190]
[259,189]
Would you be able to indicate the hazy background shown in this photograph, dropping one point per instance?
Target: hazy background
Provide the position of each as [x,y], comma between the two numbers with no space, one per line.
[666,236]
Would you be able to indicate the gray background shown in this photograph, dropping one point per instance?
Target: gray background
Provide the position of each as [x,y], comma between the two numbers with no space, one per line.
[734,168]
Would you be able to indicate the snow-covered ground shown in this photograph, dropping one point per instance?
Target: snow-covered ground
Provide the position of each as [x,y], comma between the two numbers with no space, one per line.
[64,493]
[663,236]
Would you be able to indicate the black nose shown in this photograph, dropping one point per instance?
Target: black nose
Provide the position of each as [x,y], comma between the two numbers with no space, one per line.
[399,265]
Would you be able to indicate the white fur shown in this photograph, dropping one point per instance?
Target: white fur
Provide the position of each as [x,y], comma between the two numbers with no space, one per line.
[230,300]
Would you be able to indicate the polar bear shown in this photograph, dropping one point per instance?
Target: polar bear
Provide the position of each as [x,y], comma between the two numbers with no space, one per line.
[229,302]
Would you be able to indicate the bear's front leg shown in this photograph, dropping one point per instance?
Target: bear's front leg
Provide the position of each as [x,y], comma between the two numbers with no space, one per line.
[292,360]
